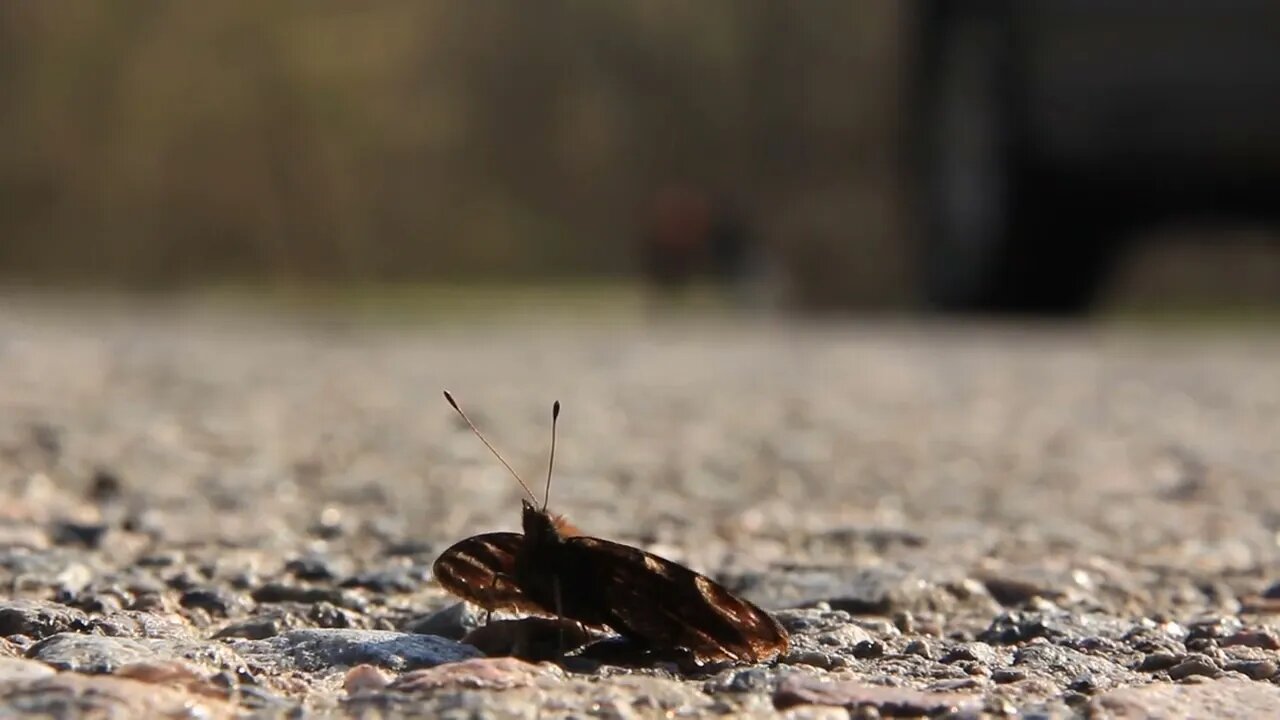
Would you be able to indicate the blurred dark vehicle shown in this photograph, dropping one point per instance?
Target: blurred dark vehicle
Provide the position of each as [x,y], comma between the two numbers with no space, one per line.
[1043,132]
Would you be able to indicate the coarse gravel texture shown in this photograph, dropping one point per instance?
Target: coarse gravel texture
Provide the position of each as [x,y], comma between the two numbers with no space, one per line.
[230,518]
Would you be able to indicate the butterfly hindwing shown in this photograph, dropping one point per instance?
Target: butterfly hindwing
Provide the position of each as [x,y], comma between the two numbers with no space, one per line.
[666,605]
[481,570]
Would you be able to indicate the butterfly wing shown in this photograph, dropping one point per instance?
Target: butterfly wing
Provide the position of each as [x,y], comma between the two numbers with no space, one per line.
[667,606]
[481,570]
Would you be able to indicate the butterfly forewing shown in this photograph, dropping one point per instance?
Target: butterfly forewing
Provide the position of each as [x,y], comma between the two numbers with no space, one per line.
[480,570]
[666,605]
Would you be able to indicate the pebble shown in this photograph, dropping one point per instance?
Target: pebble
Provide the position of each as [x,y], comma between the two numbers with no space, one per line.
[389,580]
[486,673]
[894,701]
[38,619]
[278,593]
[365,679]
[1197,665]
[98,654]
[975,652]
[1225,698]
[74,695]
[85,535]
[452,621]
[1157,661]
[1263,638]
[20,669]
[259,627]
[1254,669]
[311,569]
[1008,675]
[314,650]
[215,601]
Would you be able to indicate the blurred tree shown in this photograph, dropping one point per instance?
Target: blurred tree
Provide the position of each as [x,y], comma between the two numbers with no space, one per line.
[160,144]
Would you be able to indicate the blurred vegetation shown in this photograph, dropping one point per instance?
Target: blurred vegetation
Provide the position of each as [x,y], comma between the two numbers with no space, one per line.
[157,145]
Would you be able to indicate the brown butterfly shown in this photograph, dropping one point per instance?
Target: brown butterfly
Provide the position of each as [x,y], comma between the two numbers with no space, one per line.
[553,570]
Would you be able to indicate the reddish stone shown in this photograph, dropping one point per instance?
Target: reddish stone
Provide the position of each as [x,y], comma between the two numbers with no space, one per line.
[892,701]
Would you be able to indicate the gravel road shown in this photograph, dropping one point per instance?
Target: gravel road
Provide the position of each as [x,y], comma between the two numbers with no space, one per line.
[240,517]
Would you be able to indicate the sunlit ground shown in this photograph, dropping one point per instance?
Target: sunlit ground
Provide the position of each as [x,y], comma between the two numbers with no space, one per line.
[579,302]
[624,302]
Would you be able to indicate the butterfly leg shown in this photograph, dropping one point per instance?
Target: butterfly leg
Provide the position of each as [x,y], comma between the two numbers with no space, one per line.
[555,586]
[488,612]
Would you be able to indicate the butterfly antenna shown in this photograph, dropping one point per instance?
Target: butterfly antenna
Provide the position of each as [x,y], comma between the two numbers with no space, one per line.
[476,430]
[551,463]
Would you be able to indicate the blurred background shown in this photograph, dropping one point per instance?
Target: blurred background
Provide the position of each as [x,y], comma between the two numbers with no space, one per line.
[1054,158]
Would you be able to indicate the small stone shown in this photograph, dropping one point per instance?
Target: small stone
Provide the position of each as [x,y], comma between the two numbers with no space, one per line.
[105,486]
[330,525]
[212,600]
[277,593]
[186,578]
[130,623]
[1201,645]
[741,680]
[388,581]
[814,658]
[1157,661]
[93,602]
[868,649]
[25,536]
[364,679]
[1225,698]
[328,615]
[485,673]
[951,684]
[919,648]
[1085,683]
[159,559]
[86,535]
[149,602]
[1010,591]
[1197,665]
[1008,675]
[95,654]
[75,695]
[48,438]
[409,548]
[1260,638]
[975,652]
[256,628]
[1254,669]
[894,701]
[904,621]
[315,649]
[823,712]
[453,621]
[174,673]
[310,569]
[1272,592]
[38,619]
[21,670]
[1214,628]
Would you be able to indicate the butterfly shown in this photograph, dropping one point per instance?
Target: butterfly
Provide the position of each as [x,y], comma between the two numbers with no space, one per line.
[553,570]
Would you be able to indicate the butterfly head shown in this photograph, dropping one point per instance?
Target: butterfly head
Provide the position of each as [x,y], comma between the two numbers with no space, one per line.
[538,525]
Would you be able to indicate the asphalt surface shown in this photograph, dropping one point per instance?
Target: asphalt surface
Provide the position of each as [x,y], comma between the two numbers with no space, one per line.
[1020,516]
